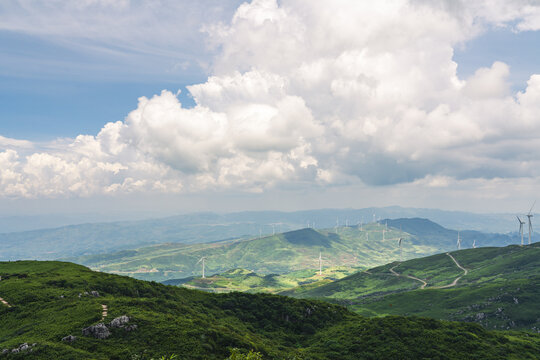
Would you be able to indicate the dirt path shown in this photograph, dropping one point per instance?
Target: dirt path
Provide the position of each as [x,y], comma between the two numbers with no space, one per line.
[424,284]
[4,302]
[454,283]
[104,311]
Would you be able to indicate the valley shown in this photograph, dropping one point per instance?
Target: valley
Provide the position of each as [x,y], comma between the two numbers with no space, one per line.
[363,246]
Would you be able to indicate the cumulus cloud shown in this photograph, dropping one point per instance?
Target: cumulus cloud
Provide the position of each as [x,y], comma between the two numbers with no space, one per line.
[308,92]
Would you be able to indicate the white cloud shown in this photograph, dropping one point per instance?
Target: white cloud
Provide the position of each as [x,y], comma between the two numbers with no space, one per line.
[308,92]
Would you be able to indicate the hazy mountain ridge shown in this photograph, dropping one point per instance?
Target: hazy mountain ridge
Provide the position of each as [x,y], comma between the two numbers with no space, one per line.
[94,238]
[352,246]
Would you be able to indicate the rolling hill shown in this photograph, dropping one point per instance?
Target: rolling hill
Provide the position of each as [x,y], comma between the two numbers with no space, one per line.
[251,282]
[93,237]
[496,287]
[56,310]
[352,246]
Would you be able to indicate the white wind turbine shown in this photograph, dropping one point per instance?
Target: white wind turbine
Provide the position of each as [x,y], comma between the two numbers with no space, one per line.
[203,259]
[521,223]
[320,263]
[400,249]
[458,241]
[529,216]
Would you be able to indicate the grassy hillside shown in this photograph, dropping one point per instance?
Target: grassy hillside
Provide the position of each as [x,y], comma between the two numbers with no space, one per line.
[501,289]
[350,246]
[46,306]
[249,281]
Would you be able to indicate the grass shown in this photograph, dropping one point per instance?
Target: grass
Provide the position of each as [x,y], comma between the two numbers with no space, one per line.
[348,246]
[500,291]
[200,325]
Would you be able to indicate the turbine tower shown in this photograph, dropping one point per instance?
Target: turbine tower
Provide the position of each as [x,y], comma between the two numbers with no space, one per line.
[400,250]
[474,244]
[529,216]
[521,223]
[320,263]
[458,241]
[203,259]
[383,231]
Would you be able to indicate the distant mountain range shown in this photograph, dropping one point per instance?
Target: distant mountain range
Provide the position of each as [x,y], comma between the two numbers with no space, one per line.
[94,238]
[363,246]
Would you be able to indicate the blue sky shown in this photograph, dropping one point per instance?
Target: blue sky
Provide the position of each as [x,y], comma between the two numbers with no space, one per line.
[297,99]
[42,104]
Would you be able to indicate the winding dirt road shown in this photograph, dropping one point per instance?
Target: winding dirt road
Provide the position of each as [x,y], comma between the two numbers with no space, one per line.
[424,284]
[454,283]
[4,302]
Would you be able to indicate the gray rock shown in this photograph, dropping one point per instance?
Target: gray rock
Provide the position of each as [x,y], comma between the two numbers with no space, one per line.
[131,327]
[516,301]
[69,338]
[480,316]
[94,293]
[5,351]
[24,347]
[119,321]
[15,350]
[99,331]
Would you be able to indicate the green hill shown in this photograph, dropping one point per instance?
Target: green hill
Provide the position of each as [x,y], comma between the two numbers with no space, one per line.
[249,281]
[500,290]
[352,246]
[51,300]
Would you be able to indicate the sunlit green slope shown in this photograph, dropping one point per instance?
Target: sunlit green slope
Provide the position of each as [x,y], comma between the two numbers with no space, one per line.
[496,287]
[367,246]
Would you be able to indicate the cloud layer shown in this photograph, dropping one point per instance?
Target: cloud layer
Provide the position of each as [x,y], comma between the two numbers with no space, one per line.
[312,93]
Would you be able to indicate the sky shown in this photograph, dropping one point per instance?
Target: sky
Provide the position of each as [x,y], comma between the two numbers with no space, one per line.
[178,106]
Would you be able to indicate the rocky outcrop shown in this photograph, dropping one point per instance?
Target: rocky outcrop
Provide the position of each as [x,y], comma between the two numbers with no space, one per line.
[120,321]
[23,348]
[99,331]
[69,338]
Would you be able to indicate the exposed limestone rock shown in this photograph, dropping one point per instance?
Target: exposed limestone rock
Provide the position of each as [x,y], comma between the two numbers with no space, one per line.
[69,338]
[99,331]
[119,321]
[131,327]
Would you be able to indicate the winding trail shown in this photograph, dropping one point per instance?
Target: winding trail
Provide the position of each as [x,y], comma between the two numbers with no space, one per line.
[454,283]
[4,302]
[424,284]
[104,311]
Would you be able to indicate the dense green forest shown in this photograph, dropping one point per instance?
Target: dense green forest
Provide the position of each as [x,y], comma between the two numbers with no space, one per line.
[52,300]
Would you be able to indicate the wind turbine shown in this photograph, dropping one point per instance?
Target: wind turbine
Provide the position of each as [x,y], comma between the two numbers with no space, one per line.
[474,244]
[203,259]
[320,263]
[529,216]
[383,231]
[521,223]
[400,250]
[458,241]
[273,229]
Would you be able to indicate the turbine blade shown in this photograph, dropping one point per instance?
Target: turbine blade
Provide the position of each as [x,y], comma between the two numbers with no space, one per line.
[532,207]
